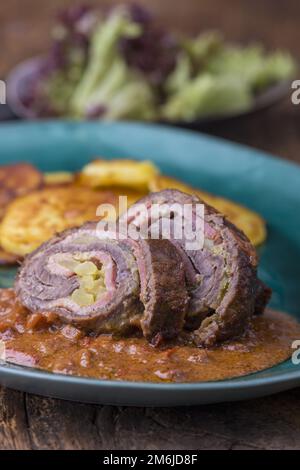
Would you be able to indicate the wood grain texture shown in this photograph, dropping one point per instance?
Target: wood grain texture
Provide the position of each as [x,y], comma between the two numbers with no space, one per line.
[31,422]
[13,421]
[25,24]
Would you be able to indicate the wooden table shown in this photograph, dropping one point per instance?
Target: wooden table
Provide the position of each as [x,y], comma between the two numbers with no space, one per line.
[31,422]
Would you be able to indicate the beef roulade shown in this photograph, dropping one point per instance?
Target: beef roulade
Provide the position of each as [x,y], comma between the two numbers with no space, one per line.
[221,275]
[106,285]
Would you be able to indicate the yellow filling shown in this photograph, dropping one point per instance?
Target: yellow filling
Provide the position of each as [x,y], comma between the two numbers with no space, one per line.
[91,281]
[82,298]
[86,268]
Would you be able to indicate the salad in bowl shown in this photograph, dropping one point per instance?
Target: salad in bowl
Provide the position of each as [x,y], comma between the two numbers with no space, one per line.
[122,64]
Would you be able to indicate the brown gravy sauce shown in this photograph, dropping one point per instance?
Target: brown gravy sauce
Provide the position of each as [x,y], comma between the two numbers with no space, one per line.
[38,340]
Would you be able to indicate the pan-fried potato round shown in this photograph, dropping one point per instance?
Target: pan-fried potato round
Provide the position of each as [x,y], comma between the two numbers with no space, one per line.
[58,178]
[20,178]
[126,173]
[245,219]
[132,195]
[6,196]
[8,259]
[32,219]
[17,179]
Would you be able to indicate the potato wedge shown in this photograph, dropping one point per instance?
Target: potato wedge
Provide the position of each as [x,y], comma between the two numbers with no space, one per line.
[126,173]
[32,219]
[16,180]
[245,219]
[58,178]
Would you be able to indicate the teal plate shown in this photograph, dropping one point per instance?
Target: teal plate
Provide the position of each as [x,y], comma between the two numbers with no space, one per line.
[263,183]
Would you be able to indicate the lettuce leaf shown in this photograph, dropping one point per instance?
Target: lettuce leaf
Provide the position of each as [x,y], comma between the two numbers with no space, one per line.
[207,95]
[252,65]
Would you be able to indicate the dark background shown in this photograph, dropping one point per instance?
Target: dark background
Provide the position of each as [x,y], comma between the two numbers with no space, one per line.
[30,422]
[25,24]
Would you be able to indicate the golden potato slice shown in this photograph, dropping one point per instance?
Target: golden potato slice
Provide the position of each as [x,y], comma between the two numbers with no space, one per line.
[6,196]
[58,178]
[246,220]
[8,259]
[32,219]
[127,173]
[133,195]
[20,178]
[15,180]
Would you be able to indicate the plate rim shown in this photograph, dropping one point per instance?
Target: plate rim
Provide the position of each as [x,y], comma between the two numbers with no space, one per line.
[235,383]
[157,127]
[260,154]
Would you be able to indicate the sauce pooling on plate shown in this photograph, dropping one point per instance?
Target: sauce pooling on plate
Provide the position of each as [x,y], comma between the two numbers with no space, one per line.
[39,340]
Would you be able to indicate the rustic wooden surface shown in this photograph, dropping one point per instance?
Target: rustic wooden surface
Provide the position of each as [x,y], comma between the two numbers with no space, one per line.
[31,422]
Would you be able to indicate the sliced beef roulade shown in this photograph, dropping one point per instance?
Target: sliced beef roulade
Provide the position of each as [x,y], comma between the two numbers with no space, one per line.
[163,288]
[106,285]
[221,275]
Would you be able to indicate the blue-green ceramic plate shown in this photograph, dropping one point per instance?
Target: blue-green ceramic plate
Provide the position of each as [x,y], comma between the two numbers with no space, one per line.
[264,183]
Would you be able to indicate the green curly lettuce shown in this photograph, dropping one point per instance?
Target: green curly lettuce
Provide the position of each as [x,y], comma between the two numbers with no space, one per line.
[203,47]
[212,78]
[180,75]
[108,76]
[126,67]
[207,95]
[252,65]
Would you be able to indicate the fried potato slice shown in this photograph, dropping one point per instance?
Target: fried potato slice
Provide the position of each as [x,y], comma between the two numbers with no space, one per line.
[126,173]
[20,178]
[132,195]
[245,219]
[17,179]
[32,219]
[8,259]
[58,178]
[6,196]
